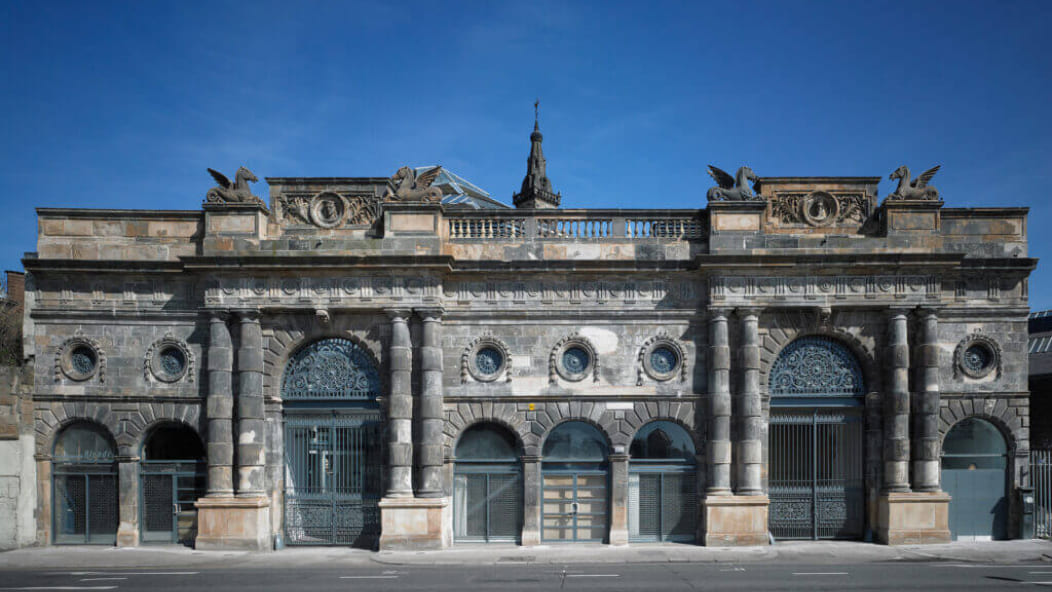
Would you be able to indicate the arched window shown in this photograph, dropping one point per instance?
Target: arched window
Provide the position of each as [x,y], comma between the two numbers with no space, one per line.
[84,486]
[487,485]
[662,485]
[574,484]
[816,366]
[173,473]
[329,369]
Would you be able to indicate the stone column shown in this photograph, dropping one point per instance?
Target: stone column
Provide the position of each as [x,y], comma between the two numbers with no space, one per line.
[128,501]
[220,408]
[531,500]
[431,420]
[251,458]
[618,498]
[897,406]
[750,415]
[719,444]
[926,421]
[400,407]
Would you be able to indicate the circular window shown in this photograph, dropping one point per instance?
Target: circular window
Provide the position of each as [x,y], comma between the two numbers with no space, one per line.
[168,360]
[486,359]
[575,360]
[977,356]
[79,360]
[572,359]
[82,360]
[489,361]
[661,358]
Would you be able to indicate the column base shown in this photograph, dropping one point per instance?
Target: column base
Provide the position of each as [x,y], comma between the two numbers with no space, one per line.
[233,523]
[913,518]
[734,521]
[408,523]
[127,535]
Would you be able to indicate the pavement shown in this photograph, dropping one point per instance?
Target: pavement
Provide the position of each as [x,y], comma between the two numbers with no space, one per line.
[796,552]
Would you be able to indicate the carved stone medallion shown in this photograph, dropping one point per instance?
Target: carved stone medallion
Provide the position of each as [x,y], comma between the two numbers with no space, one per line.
[819,209]
[327,210]
[977,356]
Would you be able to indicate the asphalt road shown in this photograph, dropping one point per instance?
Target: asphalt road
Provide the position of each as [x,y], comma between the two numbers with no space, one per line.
[899,576]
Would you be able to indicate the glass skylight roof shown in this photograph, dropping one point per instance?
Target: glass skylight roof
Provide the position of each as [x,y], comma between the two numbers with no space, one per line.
[458,191]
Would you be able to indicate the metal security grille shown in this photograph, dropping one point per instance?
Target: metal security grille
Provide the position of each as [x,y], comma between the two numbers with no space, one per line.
[333,478]
[816,482]
[169,490]
[662,504]
[574,504]
[85,504]
[1041,478]
[487,503]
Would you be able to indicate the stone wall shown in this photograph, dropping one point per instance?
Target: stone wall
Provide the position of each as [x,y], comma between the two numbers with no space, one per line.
[17,469]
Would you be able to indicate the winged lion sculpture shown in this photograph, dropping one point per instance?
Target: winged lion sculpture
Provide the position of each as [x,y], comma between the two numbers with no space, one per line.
[917,188]
[236,192]
[732,188]
[412,187]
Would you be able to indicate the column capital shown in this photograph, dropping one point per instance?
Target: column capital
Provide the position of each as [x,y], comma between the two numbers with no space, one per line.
[899,311]
[748,311]
[430,313]
[398,314]
[927,311]
[719,312]
[247,315]
[218,316]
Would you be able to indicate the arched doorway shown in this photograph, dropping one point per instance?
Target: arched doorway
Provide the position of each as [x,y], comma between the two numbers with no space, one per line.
[974,473]
[487,486]
[84,486]
[333,445]
[173,472]
[662,491]
[816,442]
[574,484]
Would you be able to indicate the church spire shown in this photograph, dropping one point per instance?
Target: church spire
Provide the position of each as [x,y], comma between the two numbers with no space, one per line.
[536,191]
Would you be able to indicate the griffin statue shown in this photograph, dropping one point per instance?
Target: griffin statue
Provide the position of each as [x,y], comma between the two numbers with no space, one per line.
[410,187]
[236,192]
[732,188]
[917,188]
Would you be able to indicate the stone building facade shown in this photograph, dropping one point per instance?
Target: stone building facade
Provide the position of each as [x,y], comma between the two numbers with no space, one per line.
[348,365]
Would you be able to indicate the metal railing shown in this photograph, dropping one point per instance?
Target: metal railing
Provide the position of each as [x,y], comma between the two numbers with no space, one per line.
[1041,479]
[671,225]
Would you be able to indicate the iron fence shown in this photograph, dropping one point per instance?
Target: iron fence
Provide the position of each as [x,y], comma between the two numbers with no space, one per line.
[1041,478]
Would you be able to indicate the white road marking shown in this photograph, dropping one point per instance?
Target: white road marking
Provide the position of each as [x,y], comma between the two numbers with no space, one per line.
[1041,572]
[100,579]
[134,573]
[734,569]
[368,577]
[820,573]
[593,575]
[61,588]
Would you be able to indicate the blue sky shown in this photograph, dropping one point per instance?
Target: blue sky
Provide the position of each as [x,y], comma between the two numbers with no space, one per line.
[124,104]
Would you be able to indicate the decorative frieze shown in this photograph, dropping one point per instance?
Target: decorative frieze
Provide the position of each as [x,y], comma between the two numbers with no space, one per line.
[820,209]
[643,291]
[331,290]
[327,209]
[750,289]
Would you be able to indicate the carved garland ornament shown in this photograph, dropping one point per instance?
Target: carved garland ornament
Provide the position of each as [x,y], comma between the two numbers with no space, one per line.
[168,360]
[661,358]
[573,358]
[977,356]
[327,209]
[485,359]
[820,208]
[79,359]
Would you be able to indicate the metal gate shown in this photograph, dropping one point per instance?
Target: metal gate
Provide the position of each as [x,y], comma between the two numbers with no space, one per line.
[662,504]
[816,480]
[85,504]
[1041,479]
[169,490]
[333,480]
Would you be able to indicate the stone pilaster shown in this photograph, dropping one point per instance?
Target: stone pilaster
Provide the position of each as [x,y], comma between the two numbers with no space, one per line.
[531,500]
[749,447]
[128,501]
[719,405]
[220,408]
[618,498]
[897,406]
[431,419]
[925,447]
[251,458]
[400,408]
